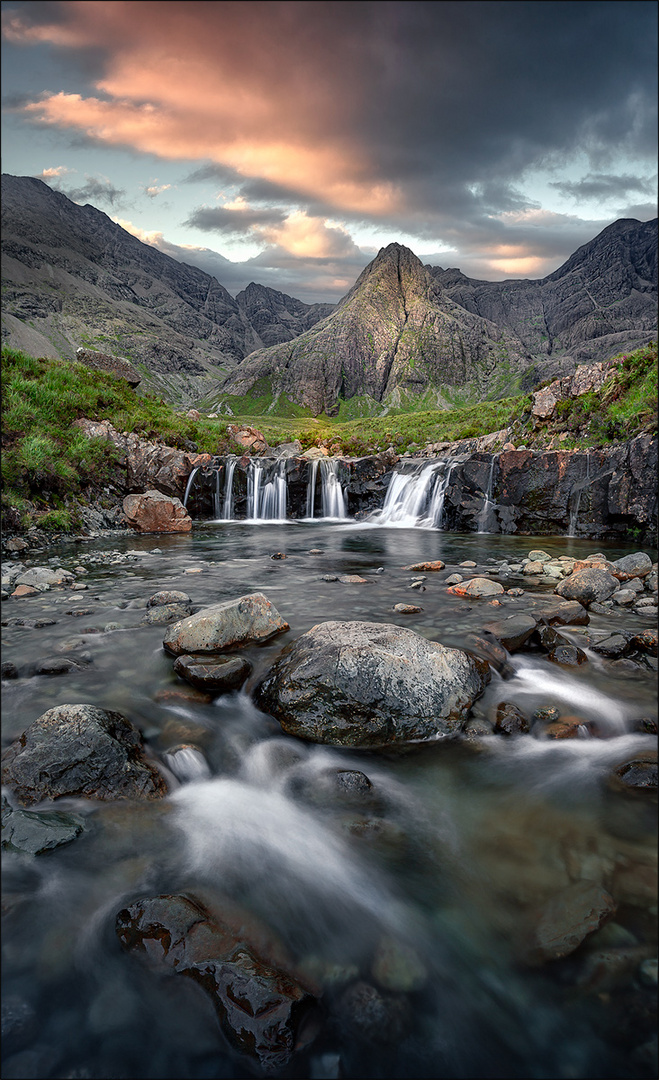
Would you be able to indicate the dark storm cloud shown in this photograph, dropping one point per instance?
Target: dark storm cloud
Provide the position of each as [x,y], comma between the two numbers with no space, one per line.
[238,221]
[603,185]
[94,191]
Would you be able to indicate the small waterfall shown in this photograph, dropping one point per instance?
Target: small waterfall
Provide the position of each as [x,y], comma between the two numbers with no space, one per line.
[436,508]
[334,504]
[266,501]
[217,502]
[227,511]
[188,486]
[488,505]
[311,487]
[577,488]
[406,498]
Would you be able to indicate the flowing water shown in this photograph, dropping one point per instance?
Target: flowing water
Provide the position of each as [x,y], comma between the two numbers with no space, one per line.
[452,865]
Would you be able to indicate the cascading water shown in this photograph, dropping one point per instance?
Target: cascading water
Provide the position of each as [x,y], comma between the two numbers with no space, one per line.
[488,504]
[188,486]
[217,501]
[266,501]
[407,496]
[227,512]
[334,503]
[436,509]
[311,487]
[575,498]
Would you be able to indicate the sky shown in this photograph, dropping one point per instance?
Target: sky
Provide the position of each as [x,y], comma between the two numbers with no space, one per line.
[287,142]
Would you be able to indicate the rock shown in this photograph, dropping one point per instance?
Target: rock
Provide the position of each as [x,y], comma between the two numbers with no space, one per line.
[397,966]
[33,832]
[477,587]
[623,597]
[636,565]
[80,751]
[168,596]
[153,512]
[278,555]
[351,579]
[612,646]
[510,720]
[567,655]
[568,918]
[538,555]
[639,773]
[370,1015]
[645,642]
[568,613]
[512,632]
[533,567]
[248,438]
[586,586]
[221,673]
[407,609]
[229,624]
[454,579]
[260,1007]
[436,564]
[43,575]
[329,577]
[117,366]
[370,684]
[166,613]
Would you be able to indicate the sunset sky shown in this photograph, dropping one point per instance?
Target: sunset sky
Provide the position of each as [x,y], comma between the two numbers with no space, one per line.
[286,142]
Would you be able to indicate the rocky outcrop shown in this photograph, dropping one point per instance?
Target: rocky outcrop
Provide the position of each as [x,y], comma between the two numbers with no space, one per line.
[80,751]
[153,512]
[586,379]
[276,317]
[228,625]
[370,685]
[148,465]
[111,365]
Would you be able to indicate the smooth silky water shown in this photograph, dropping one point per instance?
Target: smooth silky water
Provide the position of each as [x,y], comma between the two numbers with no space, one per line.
[470,841]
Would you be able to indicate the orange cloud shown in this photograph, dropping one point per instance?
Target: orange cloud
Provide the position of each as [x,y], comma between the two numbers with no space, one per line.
[188,84]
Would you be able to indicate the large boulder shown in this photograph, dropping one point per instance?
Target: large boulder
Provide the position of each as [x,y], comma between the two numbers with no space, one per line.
[153,512]
[370,684]
[229,624]
[117,366]
[83,752]
[588,586]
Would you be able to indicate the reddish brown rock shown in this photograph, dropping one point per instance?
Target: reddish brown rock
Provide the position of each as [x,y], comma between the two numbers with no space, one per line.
[568,918]
[260,1007]
[436,564]
[153,512]
[248,438]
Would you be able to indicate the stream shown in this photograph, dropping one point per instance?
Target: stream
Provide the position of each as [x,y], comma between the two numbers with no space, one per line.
[471,840]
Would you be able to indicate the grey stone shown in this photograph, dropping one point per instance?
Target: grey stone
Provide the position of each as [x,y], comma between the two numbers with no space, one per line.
[588,585]
[245,620]
[370,684]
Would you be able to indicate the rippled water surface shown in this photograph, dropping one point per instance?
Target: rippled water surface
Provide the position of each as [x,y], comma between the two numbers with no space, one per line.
[464,847]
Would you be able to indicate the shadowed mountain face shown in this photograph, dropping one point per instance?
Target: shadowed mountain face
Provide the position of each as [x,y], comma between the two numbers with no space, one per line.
[406,334]
[406,330]
[72,277]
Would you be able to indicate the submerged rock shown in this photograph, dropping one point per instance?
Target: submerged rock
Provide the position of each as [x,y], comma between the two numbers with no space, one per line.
[232,623]
[568,918]
[370,684]
[260,1007]
[81,751]
[34,832]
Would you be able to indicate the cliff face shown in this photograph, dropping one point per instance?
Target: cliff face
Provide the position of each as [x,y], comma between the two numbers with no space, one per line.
[72,277]
[405,329]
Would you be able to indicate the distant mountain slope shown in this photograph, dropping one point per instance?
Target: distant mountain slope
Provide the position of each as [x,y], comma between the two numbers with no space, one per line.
[72,277]
[406,331]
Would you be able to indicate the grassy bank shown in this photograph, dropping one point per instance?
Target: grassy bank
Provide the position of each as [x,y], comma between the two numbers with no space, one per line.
[48,464]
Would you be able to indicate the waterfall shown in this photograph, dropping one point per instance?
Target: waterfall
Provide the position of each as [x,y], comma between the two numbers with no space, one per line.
[311,487]
[334,504]
[435,515]
[488,505]
[406,498]
[266,501]
[189,483]
[217,504]
[577,488]
[227,512]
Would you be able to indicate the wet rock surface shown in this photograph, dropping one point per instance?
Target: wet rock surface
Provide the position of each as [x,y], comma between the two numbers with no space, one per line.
[370,684]
[83,751]
[226,625]
[221,673]
[260,1007]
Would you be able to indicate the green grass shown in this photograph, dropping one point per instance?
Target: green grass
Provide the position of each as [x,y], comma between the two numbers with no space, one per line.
[48,464]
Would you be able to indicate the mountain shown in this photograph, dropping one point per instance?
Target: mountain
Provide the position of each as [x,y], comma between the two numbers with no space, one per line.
[72,277]
[413,334]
